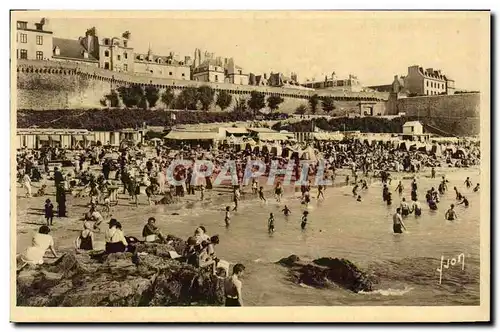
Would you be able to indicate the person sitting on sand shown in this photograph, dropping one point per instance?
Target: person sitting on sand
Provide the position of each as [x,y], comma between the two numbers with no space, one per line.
[476,188]
[151,233]
[40,243]
[204,259]
[85,241]
[359,198]
[115,240]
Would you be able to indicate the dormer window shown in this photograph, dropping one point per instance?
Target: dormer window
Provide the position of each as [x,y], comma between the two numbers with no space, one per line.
[57,50]
[22,25]
[141,57]
[106,41]
[158,60]
[150,58]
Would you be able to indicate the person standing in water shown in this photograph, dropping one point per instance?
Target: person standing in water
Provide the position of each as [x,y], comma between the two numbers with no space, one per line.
[286,211]
[261,194]
[389,198]
[278,192]
[405,210]
[270,223]
[468,183]
[397,222]
[416,208]
[433,173]
[320,192]
[464,201]
[451,215]
[385,192]
[303,221]
[227,218]
[399,188]
[232,287]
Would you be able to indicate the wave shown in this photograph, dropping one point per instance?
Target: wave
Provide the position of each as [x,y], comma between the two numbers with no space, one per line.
[388,292]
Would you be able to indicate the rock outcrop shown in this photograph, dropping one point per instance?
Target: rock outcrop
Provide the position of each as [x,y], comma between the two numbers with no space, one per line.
[149,277]
[324,271]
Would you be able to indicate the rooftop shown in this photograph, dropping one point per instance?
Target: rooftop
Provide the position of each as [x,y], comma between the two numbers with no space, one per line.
[71,48]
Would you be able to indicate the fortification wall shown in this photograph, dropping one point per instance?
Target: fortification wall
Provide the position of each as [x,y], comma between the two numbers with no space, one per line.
[48,85]
[457,114]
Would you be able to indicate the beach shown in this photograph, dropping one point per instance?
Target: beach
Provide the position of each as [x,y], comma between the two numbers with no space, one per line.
[339,226]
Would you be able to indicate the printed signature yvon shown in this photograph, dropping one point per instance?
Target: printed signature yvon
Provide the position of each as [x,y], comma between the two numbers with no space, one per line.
[460,259]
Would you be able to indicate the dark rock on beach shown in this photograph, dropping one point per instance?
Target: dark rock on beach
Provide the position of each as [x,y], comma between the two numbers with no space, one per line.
[323,271]
[148,277]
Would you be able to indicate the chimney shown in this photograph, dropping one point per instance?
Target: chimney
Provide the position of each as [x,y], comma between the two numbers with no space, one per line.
[430,70]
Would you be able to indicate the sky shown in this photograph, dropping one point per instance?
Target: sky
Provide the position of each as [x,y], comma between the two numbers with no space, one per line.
[372,46]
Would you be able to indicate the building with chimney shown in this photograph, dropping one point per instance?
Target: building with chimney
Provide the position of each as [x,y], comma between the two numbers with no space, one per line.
[168,66]
[428,82]
[34,40]
[350,84]
[209,68]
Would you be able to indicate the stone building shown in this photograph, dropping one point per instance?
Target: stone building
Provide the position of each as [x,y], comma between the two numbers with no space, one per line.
[33,40]
[209,68]
[350,84]
[428,82]
[168,66]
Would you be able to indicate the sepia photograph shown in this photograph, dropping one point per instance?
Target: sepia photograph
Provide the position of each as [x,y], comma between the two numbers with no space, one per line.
[303,165]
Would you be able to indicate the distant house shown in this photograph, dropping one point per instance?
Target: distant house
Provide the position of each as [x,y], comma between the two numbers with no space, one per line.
[413,128]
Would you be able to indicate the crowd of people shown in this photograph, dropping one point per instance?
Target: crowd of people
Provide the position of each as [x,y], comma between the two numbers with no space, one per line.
[91,176]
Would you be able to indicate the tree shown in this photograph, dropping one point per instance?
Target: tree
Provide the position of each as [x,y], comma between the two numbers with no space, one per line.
[91,32]
[224,99]
[257,101]
[152,95]
[328,104]
[168,97]
[240,107]
[131,95]
[273,102]
[301,110]
[206,96]
[113,98]
[187,99]
[313,102]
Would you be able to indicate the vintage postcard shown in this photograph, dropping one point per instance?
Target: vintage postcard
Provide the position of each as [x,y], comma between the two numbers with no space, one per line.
[329,166]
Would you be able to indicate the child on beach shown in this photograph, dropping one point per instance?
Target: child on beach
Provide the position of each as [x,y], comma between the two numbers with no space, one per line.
[202,192]
[261,194]
[49,212]
[270,223]
[476,189]
[303,221]
[227,218]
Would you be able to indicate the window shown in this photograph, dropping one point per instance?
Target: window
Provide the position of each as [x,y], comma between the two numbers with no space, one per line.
[170,73]
[39,26]
[24,38]
[427,83]
[24,54]
[125,43]
[39,55]
[106,41]
[22,25]
[106,53]
[183,75]
[125,55]
[125,67]
[118,57]
[216,78]
[39,40]
[427,92]
[106,65]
